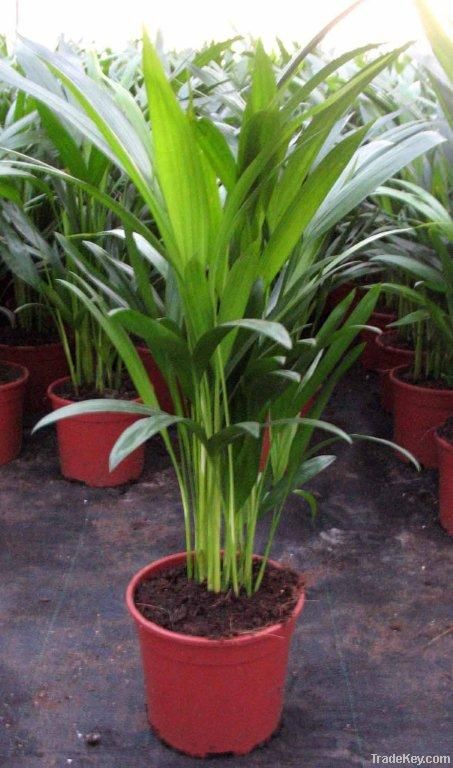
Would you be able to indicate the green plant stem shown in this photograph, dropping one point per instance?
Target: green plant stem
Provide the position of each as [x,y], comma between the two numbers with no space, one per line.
[67,349]
[418,360]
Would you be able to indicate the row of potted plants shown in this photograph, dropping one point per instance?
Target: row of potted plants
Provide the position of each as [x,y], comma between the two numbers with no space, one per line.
[218,278]
[413,356]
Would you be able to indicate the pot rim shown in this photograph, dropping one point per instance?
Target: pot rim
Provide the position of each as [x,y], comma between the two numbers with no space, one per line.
[23,378]
[64,401]
[32,347]
[443,393]
[198,640]
[380,336]
[383,313]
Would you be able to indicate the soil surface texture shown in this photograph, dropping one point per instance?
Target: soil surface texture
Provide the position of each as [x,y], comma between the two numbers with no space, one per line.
[391,339]
[426,383]
[446,430]
[88,392]
[182,605]
[8,373]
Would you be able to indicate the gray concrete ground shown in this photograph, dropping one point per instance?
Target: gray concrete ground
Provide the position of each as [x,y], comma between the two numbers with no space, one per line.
[371,661]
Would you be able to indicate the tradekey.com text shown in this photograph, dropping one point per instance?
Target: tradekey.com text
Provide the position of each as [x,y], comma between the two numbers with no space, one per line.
[408,759]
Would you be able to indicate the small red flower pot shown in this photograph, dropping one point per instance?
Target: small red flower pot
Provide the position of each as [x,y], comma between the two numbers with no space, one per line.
[11,408]
[209,697]
[45,363]
[85,443]
[417,412]
[390,356]
[371,357]
[445,462]
[157,380]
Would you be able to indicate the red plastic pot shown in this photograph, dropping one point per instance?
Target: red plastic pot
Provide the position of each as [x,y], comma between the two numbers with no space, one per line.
[390,357]
[157,380]
[445,461]
[85,443]
[371,358]
[208,697]
[45,363]
[11,409]
[417,412]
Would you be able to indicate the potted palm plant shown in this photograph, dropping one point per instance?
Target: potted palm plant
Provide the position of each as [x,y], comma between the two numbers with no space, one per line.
[29,338]
[423,393]
[425,194]
[94,366]
[239,230]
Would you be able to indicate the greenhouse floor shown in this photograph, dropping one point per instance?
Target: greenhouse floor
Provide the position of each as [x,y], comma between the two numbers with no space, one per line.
[369,671]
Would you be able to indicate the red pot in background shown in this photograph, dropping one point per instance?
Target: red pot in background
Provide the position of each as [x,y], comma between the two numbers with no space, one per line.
[85,443]
[45,363]
[11,409]
[390,357]
[339,293]
[157,380]
[266,438]
[445,462]
[212,696]
[417,412]
[371,358]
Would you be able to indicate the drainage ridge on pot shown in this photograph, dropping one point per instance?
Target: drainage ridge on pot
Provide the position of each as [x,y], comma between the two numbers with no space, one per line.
[85,443]
[208,697]
[390,357]
[11,413]
[445,460]
[371,357]
[417,412]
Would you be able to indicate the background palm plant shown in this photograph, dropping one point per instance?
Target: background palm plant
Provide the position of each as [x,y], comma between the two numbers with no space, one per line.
[32,209]
[430,266]
[421,199]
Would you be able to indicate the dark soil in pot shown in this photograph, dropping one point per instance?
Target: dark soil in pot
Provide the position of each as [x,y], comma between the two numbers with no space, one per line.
[8,373]
[446,430]
[125,391]
[394,340]
[181,605]
[425,383]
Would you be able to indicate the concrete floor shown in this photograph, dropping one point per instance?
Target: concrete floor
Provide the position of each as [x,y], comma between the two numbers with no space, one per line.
[370,667]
